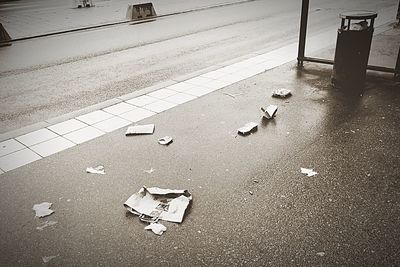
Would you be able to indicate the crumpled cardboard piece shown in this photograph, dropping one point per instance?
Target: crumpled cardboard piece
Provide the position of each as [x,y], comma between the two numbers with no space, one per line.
[308,172]
[282,93]
[157,228]
[153,204]
[140,129]
[270,111]
[42,209]
[248,128]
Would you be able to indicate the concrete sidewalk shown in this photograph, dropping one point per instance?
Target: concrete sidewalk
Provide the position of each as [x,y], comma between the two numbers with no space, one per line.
[345,215]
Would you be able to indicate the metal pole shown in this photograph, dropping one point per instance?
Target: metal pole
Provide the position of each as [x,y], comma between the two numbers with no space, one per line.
[397,69]
[303,32]
[398,14]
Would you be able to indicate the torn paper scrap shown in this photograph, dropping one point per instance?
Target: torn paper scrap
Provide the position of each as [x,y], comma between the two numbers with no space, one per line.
[270,111]
[153,204]
[157,228]
[248,128]
[282,93]
[45,224]
[308,172]
[140,129]
[43,209]
[166,140]
[96,170]
[46,259]
[321,254]
[149,171]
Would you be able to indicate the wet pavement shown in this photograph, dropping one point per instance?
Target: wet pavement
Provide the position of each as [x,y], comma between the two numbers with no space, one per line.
[347,214]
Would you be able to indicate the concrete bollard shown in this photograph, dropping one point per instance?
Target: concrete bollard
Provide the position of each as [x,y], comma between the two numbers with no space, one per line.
[4,36]
[140,11]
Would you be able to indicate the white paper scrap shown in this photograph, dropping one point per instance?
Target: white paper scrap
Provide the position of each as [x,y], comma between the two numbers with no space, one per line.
[270,111]
[96,170]
[46,259]
[153,204]
[283,93]
[248,127]
[43,209]
[308,172]
[166,140]
[149,171]
[157,228]
[45,224]
[140,129]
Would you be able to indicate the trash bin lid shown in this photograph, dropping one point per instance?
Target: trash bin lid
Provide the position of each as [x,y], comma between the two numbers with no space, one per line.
[360,14]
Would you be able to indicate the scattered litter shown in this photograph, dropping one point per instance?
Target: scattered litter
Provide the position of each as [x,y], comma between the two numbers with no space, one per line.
[149,171]
[317,9]
[233,95]
[46,259]
[68,200]
[282,93]
[153,204]
[46,224]
[140,129]
[251,192]
[256,181]
[166,140]
[96,170]
[308,172]
[270,111]
[248,128]
[157,228]
[321,254]
[359,26]
[43,209]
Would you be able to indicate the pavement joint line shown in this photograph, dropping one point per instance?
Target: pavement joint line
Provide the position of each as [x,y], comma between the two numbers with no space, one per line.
[237,67]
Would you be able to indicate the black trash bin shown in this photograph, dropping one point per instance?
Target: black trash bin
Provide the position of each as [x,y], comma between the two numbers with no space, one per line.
[352,49]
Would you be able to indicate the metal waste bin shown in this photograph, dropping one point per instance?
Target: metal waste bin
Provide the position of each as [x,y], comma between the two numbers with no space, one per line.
[352,48]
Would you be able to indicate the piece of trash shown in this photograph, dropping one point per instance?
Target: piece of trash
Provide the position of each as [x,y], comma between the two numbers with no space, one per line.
[256,181]
[96,170]
[270,111]
[140,129]
[248,128]
[46,224]
[251,192]
[153,204]
[282,93]
[359,26]
[308,172]
[157,228]
[317,9]
[321,254]
[166,140]
[43,209]
[46,259]
[149,171]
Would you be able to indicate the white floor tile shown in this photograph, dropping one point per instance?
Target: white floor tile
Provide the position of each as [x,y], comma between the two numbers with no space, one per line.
[200,81]
[1,171]
[231,78]
[159,106]
[199,91]
[18,159]
[36,137]
[85,134]
[137,115]
[181,87]
[67,126]
[119,108]
[213,74]
[215,85]
[94,117]
[9,146]
[180,98]
[112,124]
[142,100]
[52,146]
[162,93]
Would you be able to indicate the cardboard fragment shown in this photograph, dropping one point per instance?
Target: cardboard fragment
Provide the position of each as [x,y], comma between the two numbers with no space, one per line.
[43,209]
[153,204]
[270,111]
[96,170]
[282,93]
[166,140]
[149,171]
[308,172]
[157,228]
[248,128]
[140,129]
